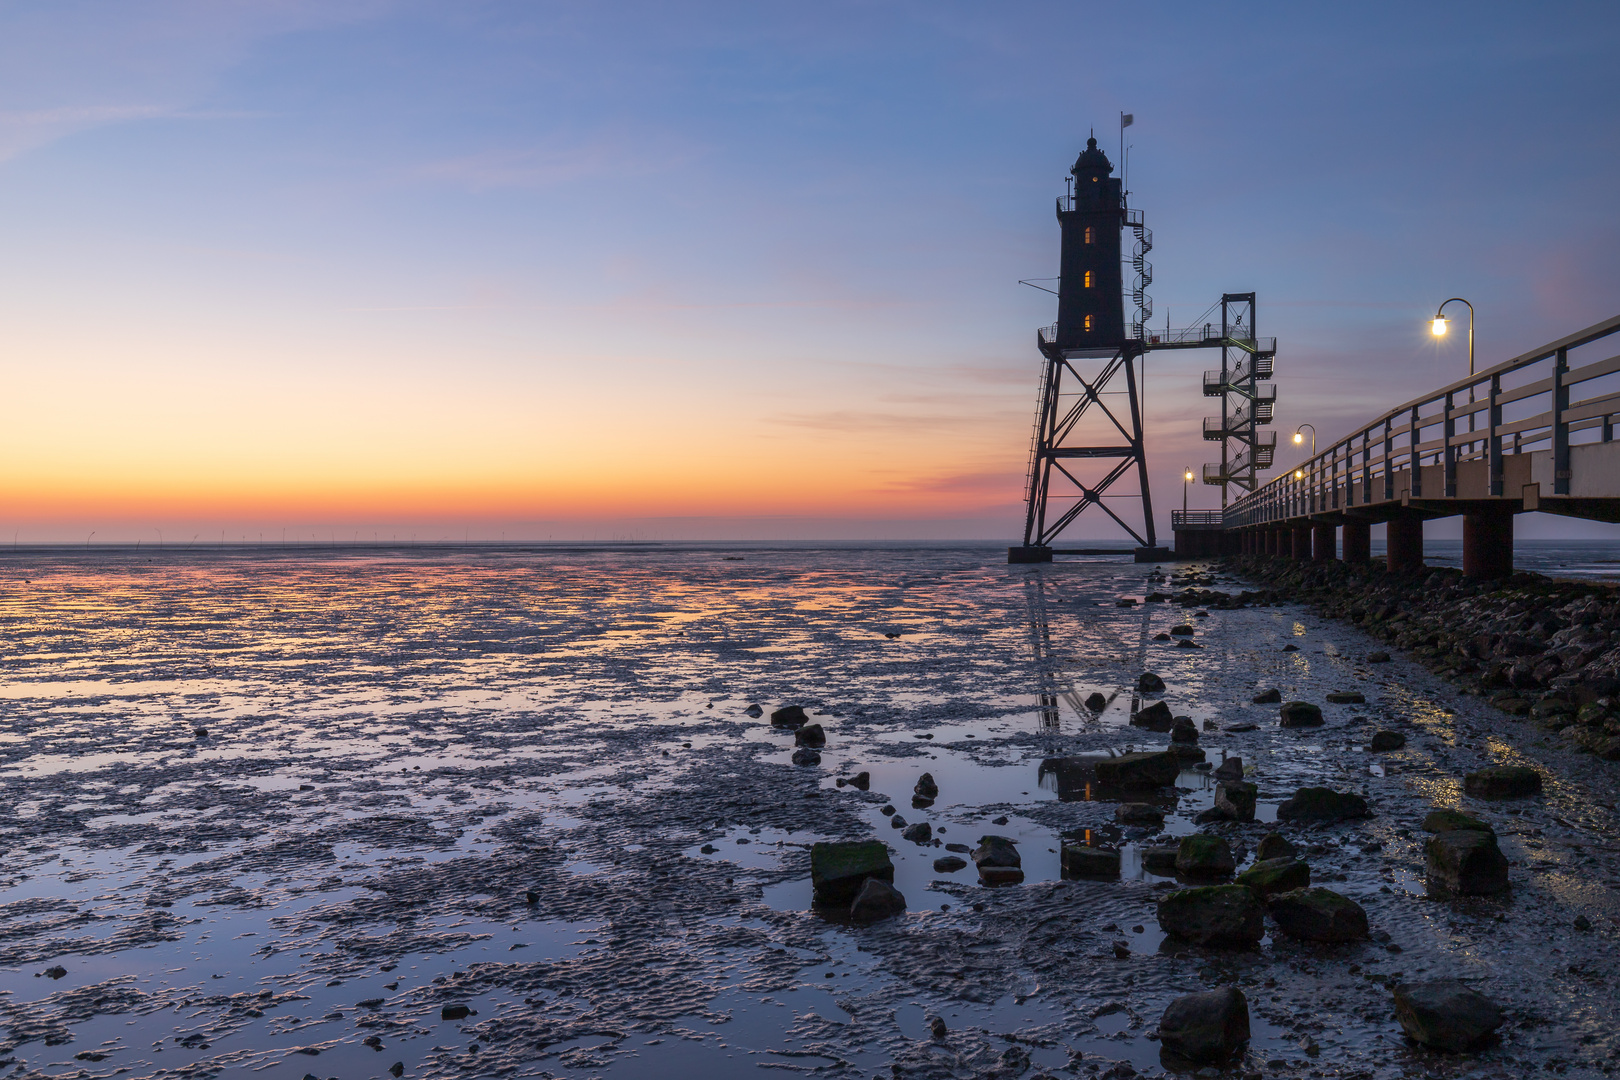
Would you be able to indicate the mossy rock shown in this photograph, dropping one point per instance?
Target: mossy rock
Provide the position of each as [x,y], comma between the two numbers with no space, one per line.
[1347,697]
[1205,856]
[1503,782]
[1272,876]
[1323,804]
[1443,821]
[1298,714]
[1218,915]
[839,869]
[1318,915]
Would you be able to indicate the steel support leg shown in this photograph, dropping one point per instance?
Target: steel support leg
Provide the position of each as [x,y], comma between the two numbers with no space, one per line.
[1323,542]
[1357,541]
[1488,544]
[1300,541]
[1405,542]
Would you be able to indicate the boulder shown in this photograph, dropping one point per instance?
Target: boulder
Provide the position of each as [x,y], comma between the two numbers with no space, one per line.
[1235,798]
[1208,1028]
[811,735]
[1183,730]
[1347,697]
[1267,877]
[1096,702]
[1183,630]
[1465,862]
[839,868]
[1155,717]
[806,756]
[920,833]
[1272,696]
[998,861]
[1219,915]
[1386,740]
[1441,821]
[1149,683]
[925,787]
[1202,855]
[861,780]
[949,864]
[1154,769]
[1081,860]
[755,711]
[1275,845]
[1318,915]
[1230,769]
[1161,859]
[1188,753]
[1297,714]
[1322,804]
[790,716]
[1503,782]
[876,900]
[1137,813]
[1290,647]
[1378,658]
[1446,1015]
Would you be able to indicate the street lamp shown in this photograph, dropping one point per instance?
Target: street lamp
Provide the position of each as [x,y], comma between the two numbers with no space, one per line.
[1299,436]
[1439,327]
[1186,479]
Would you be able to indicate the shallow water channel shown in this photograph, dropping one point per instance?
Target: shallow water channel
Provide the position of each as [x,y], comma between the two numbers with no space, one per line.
[269,814]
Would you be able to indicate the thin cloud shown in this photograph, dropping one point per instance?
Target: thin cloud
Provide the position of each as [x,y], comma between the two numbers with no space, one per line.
[539,167]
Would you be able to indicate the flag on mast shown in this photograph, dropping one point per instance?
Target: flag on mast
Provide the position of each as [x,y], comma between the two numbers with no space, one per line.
[1126,120]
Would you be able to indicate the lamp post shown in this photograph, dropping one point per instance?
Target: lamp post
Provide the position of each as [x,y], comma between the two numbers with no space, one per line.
[1439,327]
[1186,479]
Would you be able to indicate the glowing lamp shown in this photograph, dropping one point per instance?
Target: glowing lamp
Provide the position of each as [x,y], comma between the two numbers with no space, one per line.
[1299,474]
[1440,326]
[1298,438]
[1188,477]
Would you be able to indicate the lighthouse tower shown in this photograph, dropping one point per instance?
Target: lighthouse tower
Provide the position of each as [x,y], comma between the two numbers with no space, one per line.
[1091,293]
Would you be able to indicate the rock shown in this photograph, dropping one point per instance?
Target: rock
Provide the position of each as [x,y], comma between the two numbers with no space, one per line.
[397,1068]
[790,716]
[1465,862]
[1238,728]
[806,756]
[1155,717]
[1267,877]
[56,971]
[1162,637]
[1347,697]
[925,787]
[920,833]
[1182,730]
[1230,769]
[1268,697]
[1503,782]
[1298,714]
[861,780]
[1290,648]
[1220,915]
[1446,1015]
[755,711]
[876,900]
[453,1012]
[949,864]
[838,869]
[1082,860]
[1386,740]
[1187,752]
[1318,915]
[1378,658]
[937,1028]
[1137,813]
[1236,799]
[1154,769]
[1206,1028]
[1187,643]
[897,822]
[1184,630]
[1149,683]
[998,861]
[1582,923]
[1323,804]
[1275,846]
[534,898]
[1442,821]
[812,735]
[1203,855]
[961,848]
[1096,702]
[1161,859]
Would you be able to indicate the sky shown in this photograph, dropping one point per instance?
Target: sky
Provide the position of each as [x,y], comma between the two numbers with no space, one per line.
[531,270]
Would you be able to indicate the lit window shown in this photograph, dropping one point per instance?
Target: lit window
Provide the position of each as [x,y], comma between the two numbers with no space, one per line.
[1088,317]
[1088,279]
[1088,234]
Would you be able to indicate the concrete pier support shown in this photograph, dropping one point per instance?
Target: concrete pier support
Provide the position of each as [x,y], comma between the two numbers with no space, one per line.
[1405,542]
[1323,542]
[1268,541]
[1488,544]
[1300,541]
[1357,541]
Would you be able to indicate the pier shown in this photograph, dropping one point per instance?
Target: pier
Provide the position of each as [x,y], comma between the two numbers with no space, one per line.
[1534,433]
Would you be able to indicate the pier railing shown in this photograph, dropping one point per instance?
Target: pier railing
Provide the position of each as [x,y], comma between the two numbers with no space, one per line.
[1472,439]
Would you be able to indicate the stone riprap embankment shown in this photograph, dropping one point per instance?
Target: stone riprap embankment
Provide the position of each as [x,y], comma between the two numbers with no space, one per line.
[1543,650]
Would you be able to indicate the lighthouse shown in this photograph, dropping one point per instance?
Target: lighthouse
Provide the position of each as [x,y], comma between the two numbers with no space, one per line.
[1091,293]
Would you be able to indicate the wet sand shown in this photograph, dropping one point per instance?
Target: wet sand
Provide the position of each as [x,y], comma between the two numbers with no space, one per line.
[527,785]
